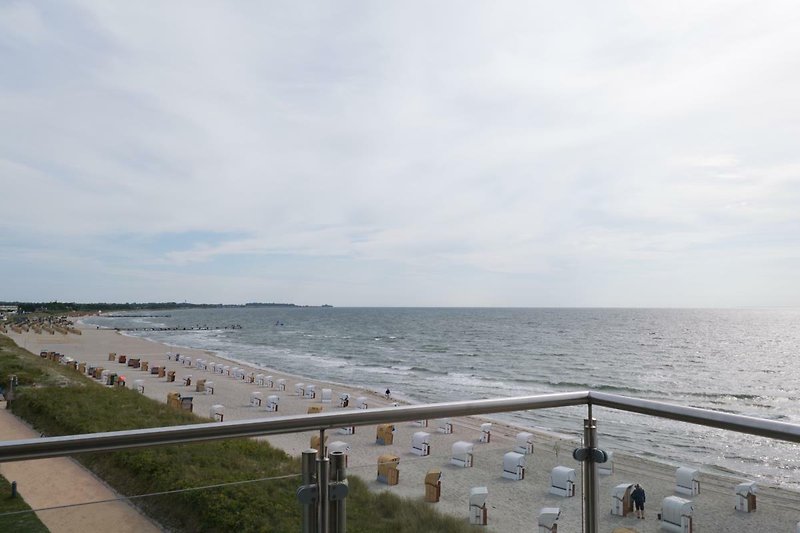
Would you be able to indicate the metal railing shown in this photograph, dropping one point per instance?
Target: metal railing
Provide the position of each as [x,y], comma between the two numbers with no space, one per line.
[116,440]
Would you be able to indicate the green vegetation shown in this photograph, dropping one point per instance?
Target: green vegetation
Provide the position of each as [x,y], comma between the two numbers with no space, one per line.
[24,522]
[82,406]
[386,513]
[31,370]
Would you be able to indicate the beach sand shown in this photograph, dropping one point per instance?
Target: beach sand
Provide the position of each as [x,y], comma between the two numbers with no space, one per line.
[512,505]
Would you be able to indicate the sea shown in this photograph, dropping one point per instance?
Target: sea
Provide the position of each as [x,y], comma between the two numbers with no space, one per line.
[744,361]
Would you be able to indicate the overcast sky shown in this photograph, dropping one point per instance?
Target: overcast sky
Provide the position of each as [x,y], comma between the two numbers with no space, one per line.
[401,153]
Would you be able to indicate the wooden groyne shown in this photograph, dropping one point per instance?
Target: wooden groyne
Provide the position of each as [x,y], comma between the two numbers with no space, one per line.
[136,316]
[189,328]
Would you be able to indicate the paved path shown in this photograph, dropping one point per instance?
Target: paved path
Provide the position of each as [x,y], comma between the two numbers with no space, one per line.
[62,481]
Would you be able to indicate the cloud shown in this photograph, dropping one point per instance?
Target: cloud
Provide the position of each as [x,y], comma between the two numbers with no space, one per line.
[527,145]
[19,21]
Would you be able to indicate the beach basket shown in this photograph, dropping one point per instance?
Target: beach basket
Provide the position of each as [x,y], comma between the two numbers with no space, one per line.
[387,469]
[433,485]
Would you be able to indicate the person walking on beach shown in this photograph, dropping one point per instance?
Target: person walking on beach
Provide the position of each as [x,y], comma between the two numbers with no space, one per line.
[638,498]
[388,393]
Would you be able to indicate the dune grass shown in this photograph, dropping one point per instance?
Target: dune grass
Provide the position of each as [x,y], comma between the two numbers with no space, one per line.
[72,404]
[30,370]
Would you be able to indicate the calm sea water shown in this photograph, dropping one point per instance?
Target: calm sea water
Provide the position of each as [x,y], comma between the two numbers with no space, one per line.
[737,361]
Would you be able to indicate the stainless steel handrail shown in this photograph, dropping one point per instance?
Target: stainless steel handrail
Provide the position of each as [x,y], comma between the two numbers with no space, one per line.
[701,417]
[135,438]
[117,440]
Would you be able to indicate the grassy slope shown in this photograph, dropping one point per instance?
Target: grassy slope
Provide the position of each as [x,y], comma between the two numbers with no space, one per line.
[79,405]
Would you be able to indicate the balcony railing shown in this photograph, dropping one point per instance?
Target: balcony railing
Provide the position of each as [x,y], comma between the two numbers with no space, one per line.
[118,440]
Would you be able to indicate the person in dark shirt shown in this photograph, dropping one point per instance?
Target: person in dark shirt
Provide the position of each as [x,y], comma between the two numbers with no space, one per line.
[638,498]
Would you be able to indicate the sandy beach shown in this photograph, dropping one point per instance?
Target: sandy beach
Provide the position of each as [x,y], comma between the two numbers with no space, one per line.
[512,505]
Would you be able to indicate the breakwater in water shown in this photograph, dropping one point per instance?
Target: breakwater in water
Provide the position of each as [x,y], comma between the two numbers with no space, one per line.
[184,328]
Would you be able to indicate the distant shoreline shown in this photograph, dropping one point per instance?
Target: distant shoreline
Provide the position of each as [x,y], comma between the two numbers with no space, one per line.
[102,307]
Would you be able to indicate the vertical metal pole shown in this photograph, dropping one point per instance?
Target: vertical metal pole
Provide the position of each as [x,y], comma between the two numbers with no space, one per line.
[309,513]
[338,510]
[323,478]
[10,395]
[589,477]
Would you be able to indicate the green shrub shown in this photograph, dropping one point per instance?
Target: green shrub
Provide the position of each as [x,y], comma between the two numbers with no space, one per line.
[16,361]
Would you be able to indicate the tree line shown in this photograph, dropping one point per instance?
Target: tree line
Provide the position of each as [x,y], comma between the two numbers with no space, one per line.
[65,307]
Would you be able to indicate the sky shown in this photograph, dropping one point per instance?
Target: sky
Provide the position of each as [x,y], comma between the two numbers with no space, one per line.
[531,153]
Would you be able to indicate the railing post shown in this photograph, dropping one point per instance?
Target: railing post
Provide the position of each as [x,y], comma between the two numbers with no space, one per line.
[323,478]
[12,383]
[589,476]
[338,493]
[309,512]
